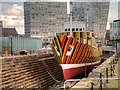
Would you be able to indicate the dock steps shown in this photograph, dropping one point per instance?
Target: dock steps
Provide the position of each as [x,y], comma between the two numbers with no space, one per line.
[30,72]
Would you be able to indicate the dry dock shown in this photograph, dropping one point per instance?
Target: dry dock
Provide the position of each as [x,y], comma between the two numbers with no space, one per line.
[31,71]
[94,76]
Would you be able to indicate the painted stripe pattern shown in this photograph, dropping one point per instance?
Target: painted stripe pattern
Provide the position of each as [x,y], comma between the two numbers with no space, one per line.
[75,49]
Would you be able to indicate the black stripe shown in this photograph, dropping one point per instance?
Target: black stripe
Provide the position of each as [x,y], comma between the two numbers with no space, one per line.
[70,44]
[71,41]
[64,45]
[56,44]
[76,54]
[59,40]
[65,60]
[84,54]
[87,53]
[73,51]
[80,53]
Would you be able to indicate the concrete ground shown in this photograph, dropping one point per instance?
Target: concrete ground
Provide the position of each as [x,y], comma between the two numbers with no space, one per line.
[86,82]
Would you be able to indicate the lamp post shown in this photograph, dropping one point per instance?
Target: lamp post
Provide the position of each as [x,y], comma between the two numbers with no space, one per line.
[116,42]
[11,46]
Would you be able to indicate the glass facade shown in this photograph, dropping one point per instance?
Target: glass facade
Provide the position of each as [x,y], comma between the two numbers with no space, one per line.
[44,17]
[94,14]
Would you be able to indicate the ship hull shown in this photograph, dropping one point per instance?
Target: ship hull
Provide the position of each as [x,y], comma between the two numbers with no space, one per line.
[71,70]
[75,54]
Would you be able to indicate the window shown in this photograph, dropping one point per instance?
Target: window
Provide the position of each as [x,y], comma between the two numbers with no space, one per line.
[65,29]
[73,29]
[76,29]
[80,29]
[69,29]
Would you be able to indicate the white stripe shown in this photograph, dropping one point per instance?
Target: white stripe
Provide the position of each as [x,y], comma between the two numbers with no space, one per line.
[67,66]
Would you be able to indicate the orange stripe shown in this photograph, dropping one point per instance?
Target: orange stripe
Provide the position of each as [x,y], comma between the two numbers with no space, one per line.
[79,52]
[63,40]
[75,53]
[87,54]
[66,49]
[83,52]
[68,59]
[81,49]
[83,55]
[73,44]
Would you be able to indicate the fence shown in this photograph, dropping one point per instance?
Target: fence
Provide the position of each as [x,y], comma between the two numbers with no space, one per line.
[12,44]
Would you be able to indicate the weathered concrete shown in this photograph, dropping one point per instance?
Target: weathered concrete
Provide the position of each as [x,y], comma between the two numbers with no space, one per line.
[29,71]
[85,82]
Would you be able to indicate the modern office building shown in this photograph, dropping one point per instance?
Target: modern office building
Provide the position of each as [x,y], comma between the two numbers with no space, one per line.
[115,32]
[115,29]
[43,19]
[94,14]
[119,10]
[1,24]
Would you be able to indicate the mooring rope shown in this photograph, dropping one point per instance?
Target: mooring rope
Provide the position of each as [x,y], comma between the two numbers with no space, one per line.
[48,71]
[96,83]
[53,77]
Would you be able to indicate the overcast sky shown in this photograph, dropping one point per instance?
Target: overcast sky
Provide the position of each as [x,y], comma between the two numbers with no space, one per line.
[12,13]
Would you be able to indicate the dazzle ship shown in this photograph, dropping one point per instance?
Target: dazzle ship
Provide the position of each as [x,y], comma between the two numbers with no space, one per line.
[76,52]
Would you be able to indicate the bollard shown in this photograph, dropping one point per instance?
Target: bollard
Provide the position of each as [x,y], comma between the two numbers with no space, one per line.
[92,85]
[113,61]
[111,70]
[113,67]
[106,75]
[100,81]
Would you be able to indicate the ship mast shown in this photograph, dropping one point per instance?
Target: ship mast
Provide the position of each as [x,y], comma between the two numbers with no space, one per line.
[86,23]
[70,18]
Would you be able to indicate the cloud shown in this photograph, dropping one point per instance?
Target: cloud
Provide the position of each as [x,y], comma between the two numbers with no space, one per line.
[12,9]
[113,12]
[12,16]
[113,15]
[15,10]
[13,22]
